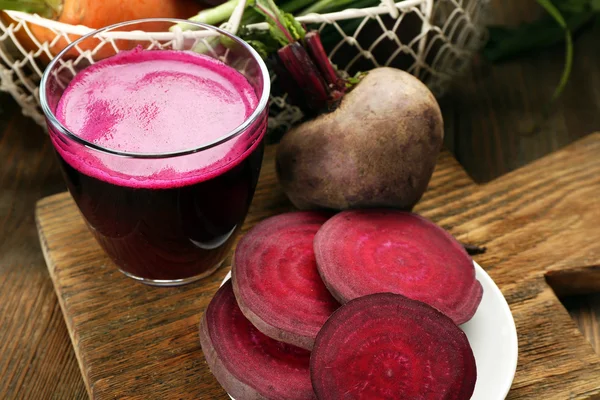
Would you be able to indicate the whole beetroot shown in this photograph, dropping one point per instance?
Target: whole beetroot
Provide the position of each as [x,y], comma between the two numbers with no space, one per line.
[377,149]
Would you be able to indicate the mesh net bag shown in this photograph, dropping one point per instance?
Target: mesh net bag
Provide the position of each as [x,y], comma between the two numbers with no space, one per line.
[431,39]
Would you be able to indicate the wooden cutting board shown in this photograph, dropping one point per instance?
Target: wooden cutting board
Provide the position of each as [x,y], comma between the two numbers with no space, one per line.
[540,224]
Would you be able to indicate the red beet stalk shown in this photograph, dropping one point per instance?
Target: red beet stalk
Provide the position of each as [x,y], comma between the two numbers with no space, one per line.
[304,59]
[319,56]
[288,84]
[303,70]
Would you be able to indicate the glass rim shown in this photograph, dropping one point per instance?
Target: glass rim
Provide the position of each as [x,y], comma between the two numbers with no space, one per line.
[260,107]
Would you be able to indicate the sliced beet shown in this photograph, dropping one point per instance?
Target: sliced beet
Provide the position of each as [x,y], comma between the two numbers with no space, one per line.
[362,252]
[276,282]
[387,346]
[248,364]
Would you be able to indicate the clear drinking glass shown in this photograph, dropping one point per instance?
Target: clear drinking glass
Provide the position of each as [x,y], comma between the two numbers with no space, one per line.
[161,230]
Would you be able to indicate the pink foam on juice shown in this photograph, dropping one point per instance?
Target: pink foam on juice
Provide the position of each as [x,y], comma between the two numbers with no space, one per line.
[145,101]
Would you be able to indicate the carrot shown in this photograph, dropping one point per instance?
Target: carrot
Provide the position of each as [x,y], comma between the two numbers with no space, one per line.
[95,14]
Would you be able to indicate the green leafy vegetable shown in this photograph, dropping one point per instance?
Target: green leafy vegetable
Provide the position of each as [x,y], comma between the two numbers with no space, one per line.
[221,13]
[294,27]
[211,16]
[45,8]
[564,17]
[260,47]
[261,40]
[323,6]
[355,80]
[283,26]
[555,13]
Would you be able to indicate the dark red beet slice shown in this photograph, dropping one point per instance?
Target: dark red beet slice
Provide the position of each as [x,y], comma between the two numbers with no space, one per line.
[387,346]
[276,282]
[372,251]
[248,364]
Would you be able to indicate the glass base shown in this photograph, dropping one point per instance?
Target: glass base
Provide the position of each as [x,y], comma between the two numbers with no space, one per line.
[172,282]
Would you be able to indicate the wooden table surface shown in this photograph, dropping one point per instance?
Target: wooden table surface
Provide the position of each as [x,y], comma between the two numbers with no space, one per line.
[485,120]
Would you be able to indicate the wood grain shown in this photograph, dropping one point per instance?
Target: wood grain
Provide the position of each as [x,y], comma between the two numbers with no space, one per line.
[134,341]
[36,356]
[490,112]
[485,116]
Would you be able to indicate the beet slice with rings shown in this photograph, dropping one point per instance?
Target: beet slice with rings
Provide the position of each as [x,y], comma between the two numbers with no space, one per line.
[276,282]
[248,364]
[387,346]
[361,252]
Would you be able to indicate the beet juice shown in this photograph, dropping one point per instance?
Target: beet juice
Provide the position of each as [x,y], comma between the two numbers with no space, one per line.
[170,216]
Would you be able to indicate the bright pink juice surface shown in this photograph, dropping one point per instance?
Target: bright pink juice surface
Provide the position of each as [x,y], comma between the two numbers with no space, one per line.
[168,218]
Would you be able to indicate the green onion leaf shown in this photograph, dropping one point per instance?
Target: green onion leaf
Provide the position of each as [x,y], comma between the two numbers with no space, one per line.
[555,13]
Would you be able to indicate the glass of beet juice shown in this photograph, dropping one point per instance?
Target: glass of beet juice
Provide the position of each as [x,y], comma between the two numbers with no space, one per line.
[160,138]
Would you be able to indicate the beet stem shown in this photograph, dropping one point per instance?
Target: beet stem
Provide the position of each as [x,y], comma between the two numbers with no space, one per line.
[296,60]
[319,57]
[288,83]
[272,13]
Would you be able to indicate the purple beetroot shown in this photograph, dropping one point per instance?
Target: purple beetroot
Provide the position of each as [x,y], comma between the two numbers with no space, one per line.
[362,252]
[386,346]
[276,282]
[248,364]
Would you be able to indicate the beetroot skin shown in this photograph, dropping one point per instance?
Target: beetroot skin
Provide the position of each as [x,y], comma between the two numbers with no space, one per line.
[386,346]
[248,364]
[362,252]
[276,282]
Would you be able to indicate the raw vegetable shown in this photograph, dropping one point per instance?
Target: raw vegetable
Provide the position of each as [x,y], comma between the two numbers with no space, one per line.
[377,149]
[362,252]
[377,139]
[211,16]
[385,346]
[248,364]
[94,14]
[300,57]
[275,278]
[563,19]
[223,12]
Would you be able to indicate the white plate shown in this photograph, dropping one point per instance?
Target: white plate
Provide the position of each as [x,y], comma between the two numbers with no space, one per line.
[493,338]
